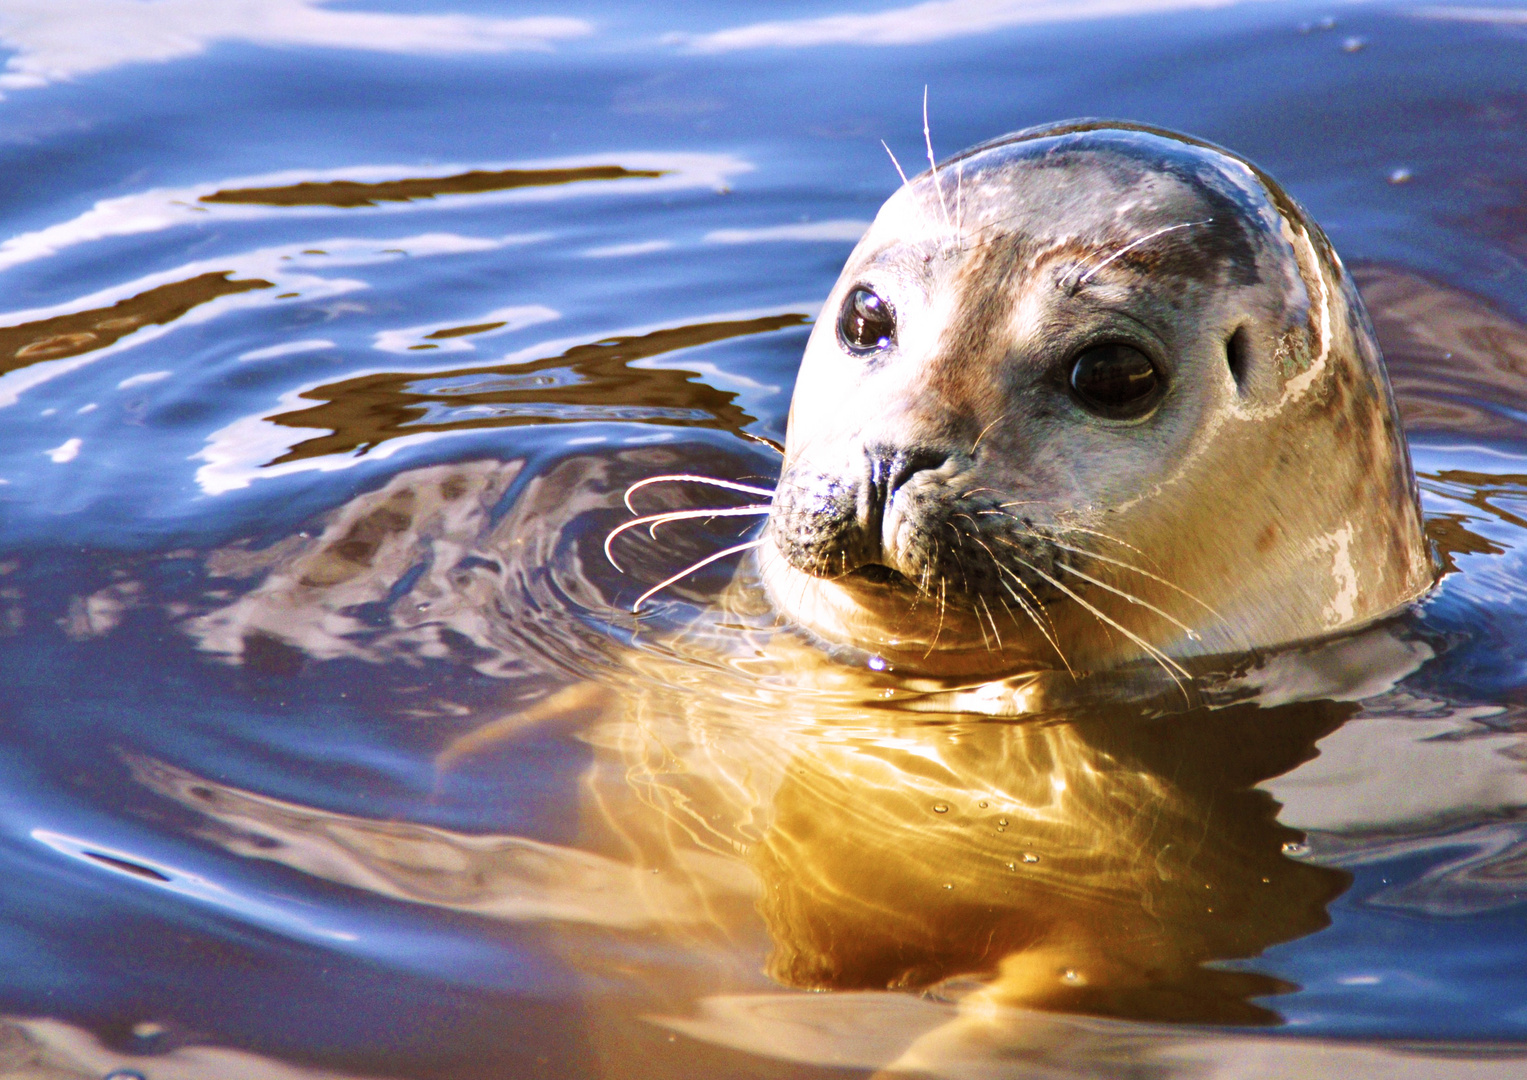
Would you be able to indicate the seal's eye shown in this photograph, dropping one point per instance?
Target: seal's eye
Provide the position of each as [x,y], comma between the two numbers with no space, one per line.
[866,322]
[1115,380]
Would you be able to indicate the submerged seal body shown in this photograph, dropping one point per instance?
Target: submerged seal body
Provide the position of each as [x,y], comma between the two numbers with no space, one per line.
[1085,395]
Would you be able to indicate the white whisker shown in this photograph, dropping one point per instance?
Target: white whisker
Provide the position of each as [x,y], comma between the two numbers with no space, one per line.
[1128,566]
[654,520]
[677,477]
[1127,248]
[1048,634]
[660,586]
[959,196]
[1192,634]
[1170,666]
[977,443]
[896,163]
[933,165]
[993,623]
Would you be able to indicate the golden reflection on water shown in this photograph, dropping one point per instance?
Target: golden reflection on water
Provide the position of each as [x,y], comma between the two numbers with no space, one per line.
[752,803]
[1092,866]
[757,819]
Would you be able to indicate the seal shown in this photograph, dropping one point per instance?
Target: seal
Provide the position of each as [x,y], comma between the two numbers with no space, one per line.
[1088,395]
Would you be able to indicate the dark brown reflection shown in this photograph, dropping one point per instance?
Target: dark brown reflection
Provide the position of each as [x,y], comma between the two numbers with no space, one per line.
[353,193]
[86,331]
[1091,867]
[1485,492]
[1454,358]
[587,382]
[1453,537]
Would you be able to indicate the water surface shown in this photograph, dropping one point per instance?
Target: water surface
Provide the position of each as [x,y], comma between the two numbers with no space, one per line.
[328,744]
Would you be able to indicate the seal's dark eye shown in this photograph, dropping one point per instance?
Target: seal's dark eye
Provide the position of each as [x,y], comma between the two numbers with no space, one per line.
[1115,380]
[866,322]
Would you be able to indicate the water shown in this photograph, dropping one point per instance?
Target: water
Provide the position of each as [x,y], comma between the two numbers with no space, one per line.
[328,746]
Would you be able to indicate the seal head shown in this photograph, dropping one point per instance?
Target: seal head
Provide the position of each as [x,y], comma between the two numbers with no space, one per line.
[1090,394]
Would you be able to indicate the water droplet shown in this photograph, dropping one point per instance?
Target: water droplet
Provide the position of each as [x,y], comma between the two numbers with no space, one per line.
[1294,848]
[982,804]
[1029,857]
[1002,821]
[878,663]
[1353,44]
[948,884]
[1012,866]
[888,693]
[1401,175]
[147,1029]
[940,808]
[1071,976]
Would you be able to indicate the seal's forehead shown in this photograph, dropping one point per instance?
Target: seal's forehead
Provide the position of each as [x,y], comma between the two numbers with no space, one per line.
[1090,189]
[1128,157]
[1059,181]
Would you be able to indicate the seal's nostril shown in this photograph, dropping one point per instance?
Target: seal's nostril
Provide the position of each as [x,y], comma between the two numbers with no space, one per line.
[908,463]
[890,468]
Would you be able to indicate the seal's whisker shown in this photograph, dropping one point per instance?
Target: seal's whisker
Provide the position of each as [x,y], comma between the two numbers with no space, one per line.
[998,563]
[988,427]
[959,196]
[1131,567]
[654,520]
[1132,598]
[674,478]
[1170,666]
[1029,611]
[1067,527]
[1100,535]
[932,164]
[940,628]
[1127,248]
[993,622]
[723,553]
[1049,634]
[896,163]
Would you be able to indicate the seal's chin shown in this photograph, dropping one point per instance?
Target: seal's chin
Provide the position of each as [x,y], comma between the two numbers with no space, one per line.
[878,610]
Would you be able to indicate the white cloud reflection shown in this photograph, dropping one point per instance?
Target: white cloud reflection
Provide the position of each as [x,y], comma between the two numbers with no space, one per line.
[936,20]
[1500,16]
[57,40]
[842,229]
[166,208]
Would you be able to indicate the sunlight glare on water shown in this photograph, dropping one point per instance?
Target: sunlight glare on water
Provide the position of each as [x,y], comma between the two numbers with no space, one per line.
[332,336]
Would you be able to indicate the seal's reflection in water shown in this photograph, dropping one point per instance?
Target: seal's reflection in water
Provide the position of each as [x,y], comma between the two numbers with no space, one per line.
[1094,865]
[1100,860]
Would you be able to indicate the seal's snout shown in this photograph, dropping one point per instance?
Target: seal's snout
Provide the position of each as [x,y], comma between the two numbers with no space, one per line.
[890,470]
[829,524]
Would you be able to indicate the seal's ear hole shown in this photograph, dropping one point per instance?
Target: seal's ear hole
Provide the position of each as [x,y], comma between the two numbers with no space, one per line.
[1238,356]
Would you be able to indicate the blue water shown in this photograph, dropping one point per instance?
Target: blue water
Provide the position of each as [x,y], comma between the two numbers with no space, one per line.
[145,493]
